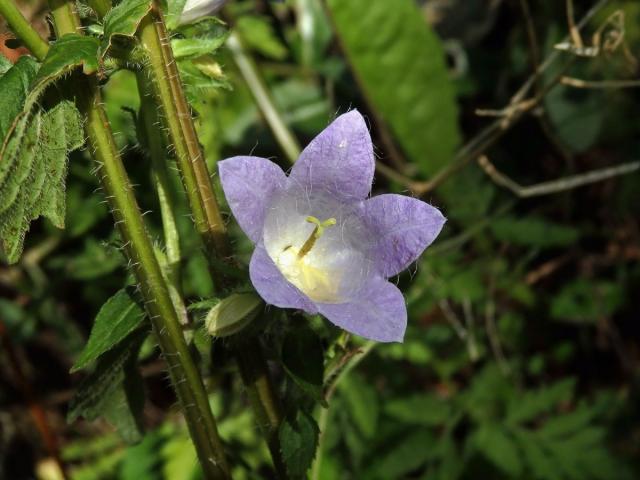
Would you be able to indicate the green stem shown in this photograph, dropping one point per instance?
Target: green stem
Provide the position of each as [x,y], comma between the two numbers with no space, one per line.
[155,146]
[182,370]
[23,29]
[184,374]
[264,401]
[176,114]
[263,98]
[163,73]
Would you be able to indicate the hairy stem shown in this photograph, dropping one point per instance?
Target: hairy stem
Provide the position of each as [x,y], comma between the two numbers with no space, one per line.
[166,85]
[157,152]
[183,372]
[176,115]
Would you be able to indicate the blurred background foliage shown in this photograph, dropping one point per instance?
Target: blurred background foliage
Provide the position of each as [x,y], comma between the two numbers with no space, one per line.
[521,359]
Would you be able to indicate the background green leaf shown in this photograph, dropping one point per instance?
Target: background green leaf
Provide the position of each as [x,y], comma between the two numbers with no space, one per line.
[400,66]
[117,318]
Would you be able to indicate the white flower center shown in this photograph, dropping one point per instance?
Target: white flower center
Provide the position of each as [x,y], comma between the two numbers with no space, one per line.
[321,258]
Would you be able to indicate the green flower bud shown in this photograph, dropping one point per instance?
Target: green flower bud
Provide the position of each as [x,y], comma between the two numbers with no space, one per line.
[233,314]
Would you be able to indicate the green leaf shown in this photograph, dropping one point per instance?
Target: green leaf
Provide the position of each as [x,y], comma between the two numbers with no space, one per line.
[174,12]
[534,232]
[200,76]
[425,409]
[540,462]
[33,169]
[14,86]
[141,461]
[259,34]
[303,360]
[408,454]
[362,404]
[117,318]
[121,25]
[66,54]
[400,65]
[6,65]
[565,425]
[196,47]
[299,440]
[531,404]
[33,158]
[114,390]
[584,301]
[499,448]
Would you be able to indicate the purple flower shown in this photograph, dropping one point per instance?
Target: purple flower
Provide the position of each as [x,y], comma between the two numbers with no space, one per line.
[321,245]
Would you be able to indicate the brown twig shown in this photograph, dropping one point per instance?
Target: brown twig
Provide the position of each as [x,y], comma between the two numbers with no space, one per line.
[578,83]
[554,186]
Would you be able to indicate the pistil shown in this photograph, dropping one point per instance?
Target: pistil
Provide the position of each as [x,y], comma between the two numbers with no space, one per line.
[316,234]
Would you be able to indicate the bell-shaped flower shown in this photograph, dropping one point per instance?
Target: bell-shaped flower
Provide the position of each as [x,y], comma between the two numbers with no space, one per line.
[322,245]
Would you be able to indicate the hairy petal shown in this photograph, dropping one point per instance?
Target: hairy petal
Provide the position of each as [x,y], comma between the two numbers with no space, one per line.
[401,228]
[339,160]
[378,313]
[249,184]
[273,287]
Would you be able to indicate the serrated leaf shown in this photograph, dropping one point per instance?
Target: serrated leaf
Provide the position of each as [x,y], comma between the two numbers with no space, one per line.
[400,65]
[499,448]
[114,390]
[33,173]
[33,158]
[298,439]
[14,86]
[117,318]
[303,360]
[121,24]
[419,409]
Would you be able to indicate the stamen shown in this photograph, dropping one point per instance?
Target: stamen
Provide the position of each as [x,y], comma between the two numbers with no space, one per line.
[316,234]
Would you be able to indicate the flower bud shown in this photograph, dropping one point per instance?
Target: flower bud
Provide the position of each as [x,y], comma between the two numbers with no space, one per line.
[233,314]
[196,9]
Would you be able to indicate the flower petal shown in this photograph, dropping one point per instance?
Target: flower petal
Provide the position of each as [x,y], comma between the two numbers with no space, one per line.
[339,160]
[273,287]
[379,313]
[249,183]
[401,228]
